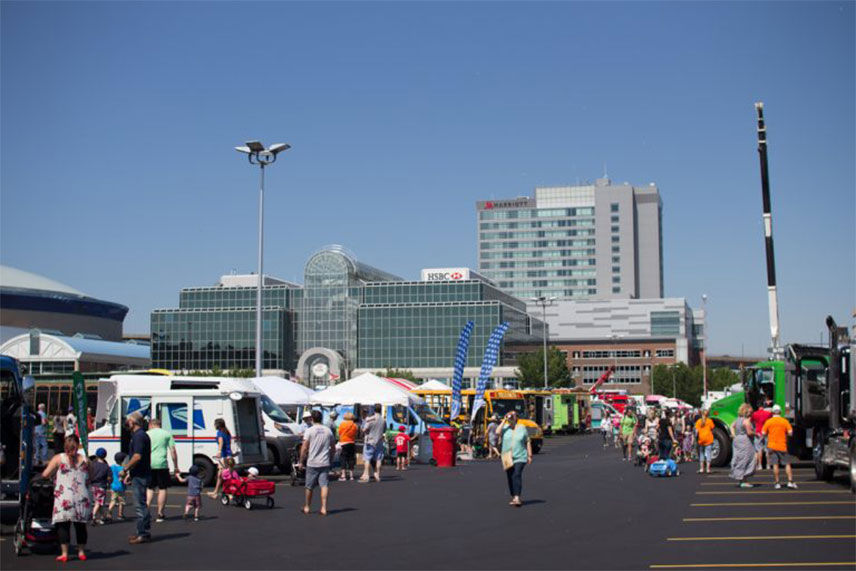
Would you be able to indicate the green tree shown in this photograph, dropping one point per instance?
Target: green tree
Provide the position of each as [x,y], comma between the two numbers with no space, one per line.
[688,381]
[398,374]
[530,369]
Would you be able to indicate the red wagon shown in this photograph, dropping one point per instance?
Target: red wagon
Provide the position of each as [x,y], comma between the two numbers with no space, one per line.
[245,492]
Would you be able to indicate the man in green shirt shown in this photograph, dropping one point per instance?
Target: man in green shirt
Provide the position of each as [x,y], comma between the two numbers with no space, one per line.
[628,432]
[162,442]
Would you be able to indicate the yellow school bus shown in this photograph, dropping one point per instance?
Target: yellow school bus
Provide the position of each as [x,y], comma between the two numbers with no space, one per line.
[501,402]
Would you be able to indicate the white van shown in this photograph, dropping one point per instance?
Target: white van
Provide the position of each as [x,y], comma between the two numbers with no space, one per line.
[187,407]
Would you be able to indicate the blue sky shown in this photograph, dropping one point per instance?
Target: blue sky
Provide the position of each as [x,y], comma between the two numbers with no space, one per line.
[118,121]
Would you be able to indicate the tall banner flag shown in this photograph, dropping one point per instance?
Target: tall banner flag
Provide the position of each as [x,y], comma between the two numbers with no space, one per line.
[78,388]
[460,361]
[491,353]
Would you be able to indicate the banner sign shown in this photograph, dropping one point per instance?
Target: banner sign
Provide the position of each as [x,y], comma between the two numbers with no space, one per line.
[491,354]
[78,388]
[457,377]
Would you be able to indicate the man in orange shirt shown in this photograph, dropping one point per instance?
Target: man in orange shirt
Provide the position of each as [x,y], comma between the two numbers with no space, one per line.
[777,430]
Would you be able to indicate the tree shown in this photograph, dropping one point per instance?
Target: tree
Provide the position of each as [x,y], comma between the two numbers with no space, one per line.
[688,381]
[530,369]
[398,374]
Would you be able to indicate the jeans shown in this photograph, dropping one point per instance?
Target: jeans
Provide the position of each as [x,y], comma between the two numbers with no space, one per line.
[665,449]
[515,478]
[144,518]
[40,454]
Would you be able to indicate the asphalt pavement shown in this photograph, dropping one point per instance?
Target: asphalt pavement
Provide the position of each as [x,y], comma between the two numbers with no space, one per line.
[584,509]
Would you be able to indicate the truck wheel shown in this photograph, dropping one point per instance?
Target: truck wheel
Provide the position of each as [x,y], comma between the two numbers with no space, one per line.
[207,470]
[536,446]
[821,470]
[720,452]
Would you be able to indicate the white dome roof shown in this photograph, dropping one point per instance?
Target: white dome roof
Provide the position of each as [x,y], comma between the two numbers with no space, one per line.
[15,278]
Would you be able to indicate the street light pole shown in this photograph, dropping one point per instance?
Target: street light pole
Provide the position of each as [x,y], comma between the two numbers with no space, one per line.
[257,154]
[544,301]
[704,345]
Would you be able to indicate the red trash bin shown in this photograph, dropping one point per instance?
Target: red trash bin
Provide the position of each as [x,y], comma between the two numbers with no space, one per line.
[443,441]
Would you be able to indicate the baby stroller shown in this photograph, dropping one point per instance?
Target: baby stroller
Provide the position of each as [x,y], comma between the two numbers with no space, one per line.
[298,473]
[244,491]
[34,527]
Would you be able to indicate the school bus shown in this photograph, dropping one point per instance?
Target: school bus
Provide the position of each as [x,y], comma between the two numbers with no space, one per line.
[501,402]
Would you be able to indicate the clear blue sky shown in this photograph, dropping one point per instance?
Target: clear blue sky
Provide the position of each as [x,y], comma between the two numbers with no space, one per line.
[118,121]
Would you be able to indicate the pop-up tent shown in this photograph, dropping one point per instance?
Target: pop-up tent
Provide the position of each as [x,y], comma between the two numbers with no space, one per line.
[284,392]
[433,385]
[365,389]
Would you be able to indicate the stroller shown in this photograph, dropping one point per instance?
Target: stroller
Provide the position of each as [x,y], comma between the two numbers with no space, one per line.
[34,527]
[244,491]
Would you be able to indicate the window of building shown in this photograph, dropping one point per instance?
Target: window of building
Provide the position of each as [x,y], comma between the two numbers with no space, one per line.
[616,279]
[616,289]
[616,249]
[613,207]
[665,352]
[665,323]
[615,239]
[616,269]
[615,229]
[615,260]
[614,218]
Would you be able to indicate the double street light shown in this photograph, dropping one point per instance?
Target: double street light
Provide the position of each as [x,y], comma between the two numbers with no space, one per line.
[257,154]
[544,301]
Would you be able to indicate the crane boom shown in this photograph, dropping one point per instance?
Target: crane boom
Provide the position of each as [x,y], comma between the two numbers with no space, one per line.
[772,293]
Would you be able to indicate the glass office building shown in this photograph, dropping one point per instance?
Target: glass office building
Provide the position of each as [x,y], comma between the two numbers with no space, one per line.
[348,317]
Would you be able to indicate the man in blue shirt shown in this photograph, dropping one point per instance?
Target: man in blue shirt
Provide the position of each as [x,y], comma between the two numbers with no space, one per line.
[138,473]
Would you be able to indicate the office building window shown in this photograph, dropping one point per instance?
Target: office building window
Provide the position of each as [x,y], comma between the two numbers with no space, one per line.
[615,260]
[614,239]
[616,269]
[616,279]
[614,229]
[665,323]
[613,207]
[616,289]
[616,249]
[614,218]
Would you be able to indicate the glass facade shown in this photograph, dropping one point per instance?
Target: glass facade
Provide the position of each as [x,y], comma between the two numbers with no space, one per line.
[224,337]
[367,317]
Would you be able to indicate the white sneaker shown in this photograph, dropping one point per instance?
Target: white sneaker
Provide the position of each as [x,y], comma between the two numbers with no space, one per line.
[778,486]
[792,485]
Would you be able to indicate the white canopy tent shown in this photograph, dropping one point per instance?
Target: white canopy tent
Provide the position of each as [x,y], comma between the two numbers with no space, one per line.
[434,385]
[365,389]
[284,392]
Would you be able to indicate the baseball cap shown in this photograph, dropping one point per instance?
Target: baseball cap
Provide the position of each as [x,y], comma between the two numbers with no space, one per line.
[777,409]
[307,414]
[101,453]
[253,470]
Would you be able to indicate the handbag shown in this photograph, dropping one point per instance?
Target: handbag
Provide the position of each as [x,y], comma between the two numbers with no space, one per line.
[507,460]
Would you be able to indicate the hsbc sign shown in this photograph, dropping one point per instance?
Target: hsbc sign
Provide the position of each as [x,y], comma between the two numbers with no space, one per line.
[445,274]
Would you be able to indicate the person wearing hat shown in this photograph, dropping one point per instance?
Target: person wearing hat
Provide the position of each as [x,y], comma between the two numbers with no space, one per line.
[252,473]
[331,422]
[100,478]
[777,430]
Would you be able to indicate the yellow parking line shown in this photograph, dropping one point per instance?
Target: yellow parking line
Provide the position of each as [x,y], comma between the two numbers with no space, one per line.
[780,492]
[789,564]
[770,518]
[773,504]
[760,537]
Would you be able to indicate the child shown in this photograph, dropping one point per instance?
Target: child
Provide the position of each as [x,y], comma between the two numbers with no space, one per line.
[117,488]
[194,492]
[402,449]
[228,473]
[252,474]
[644,451]
[100,477]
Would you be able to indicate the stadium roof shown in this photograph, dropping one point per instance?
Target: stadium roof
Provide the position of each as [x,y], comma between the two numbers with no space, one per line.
[19,279]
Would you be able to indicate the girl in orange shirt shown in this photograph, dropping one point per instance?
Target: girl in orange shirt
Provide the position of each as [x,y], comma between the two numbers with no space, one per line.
[348,432]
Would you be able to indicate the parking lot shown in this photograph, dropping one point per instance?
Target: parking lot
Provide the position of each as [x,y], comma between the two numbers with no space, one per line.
[585,509]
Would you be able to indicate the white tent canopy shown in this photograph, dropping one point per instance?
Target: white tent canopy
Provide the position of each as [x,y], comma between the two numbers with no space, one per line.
[434,385]
[282,391]
[365,389]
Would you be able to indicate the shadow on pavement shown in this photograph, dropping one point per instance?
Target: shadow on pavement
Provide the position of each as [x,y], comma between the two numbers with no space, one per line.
[106,554]
[167,537]
[530,502]
[340,511]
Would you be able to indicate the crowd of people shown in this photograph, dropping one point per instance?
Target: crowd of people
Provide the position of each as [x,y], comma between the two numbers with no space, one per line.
[759,434]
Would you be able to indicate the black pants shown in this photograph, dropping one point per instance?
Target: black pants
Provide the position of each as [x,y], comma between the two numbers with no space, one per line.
[63,530]
[348,456]
[515,479]
[665,449]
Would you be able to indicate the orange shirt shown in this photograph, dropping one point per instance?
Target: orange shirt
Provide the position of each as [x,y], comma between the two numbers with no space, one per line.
[348,432]
[705,432]
[777,429]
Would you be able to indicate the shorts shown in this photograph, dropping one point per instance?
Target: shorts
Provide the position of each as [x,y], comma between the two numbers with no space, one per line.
[760,443]
[194,502]
[373,453]
[401,452]
[627,438]
[117,497]
[317,477]
[99,496]
[160,479]
[704,452]
[777,457]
